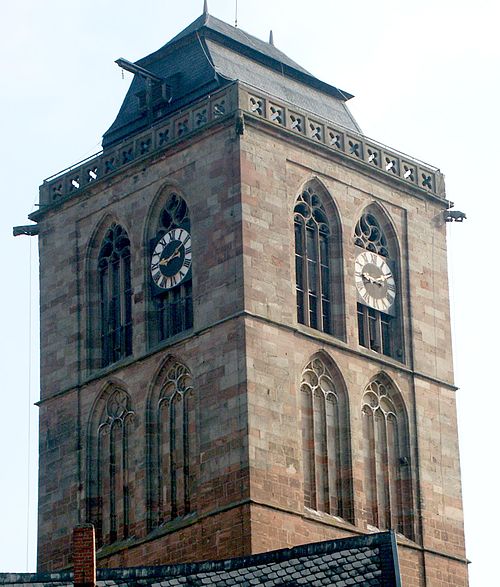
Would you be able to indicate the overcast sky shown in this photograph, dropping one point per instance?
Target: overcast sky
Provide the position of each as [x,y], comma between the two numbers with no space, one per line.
[426,80]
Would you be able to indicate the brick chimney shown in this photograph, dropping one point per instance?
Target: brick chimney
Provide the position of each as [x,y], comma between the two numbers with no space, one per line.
[84,556]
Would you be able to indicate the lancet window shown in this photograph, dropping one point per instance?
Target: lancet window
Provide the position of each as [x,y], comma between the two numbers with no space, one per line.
[115,296]
[317,266]
[109,490]
[386,456]
[173,451]
[325,439]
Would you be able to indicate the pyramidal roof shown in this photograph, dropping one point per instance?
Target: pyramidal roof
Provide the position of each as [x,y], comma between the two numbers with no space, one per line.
[209,54]
[237,35]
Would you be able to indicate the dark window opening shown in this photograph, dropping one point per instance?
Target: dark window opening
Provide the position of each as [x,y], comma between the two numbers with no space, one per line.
[312,263]
[115,296]
[374,330]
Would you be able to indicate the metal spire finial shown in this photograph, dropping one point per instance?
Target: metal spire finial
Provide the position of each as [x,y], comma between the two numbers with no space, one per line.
[205,6]
[271,37]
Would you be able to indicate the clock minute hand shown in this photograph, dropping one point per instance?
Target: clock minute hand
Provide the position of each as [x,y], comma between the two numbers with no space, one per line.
[382,278]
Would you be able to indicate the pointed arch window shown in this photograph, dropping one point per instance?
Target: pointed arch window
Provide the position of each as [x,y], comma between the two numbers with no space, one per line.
[109,491]
[325,441]
[115,295]
[387,470]
[313,264]
[173,449]
[379,319]
[172,311]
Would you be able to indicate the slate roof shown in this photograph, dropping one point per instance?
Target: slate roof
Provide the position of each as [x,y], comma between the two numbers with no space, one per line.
[369,560]
[209,54]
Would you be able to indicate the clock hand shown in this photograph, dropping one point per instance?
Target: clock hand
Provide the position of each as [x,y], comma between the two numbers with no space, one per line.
[175,254]
[368,277]
[382,278]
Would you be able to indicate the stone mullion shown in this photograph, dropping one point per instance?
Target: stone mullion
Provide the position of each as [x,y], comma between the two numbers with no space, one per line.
[370,476]
[394,453]
[125,493]
[105,276]
[319,452]
[172,458]
[306,445]
[319,285]
[381,452]
[312,452]
[333,456]
[305,272]
[185,449]
[96,492]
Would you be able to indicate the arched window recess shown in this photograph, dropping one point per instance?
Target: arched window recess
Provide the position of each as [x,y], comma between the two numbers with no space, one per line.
[115,296]
[378,287]
[325,440]
[386,454]
[317,262]
[170,273]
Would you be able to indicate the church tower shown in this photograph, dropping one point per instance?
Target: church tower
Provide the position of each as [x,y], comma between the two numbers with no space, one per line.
[245,330]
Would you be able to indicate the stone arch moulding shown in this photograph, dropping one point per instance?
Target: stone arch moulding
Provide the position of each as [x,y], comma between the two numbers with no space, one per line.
[172,443]
[318,259]
[387,464]
[326,438]
[109,491]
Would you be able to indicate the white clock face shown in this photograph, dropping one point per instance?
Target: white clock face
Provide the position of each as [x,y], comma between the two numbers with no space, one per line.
[374,281]
[171,259]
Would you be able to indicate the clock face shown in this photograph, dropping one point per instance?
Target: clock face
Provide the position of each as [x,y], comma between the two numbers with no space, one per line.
[171,259]
[375,281]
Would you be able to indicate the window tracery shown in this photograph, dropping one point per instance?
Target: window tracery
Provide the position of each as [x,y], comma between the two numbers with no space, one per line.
[312,262]
[173,449]
[115,294]
[325,438]
[109,492]
[370,236]
[387,471]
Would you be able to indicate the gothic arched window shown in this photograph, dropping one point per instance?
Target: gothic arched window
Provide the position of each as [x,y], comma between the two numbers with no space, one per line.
[173,444]
[379,319]
[172,311]
[115,295]
[317,254]
[386,456]
[109,491]
[325,441]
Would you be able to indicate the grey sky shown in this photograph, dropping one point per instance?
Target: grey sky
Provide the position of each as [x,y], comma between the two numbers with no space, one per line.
[426,80]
